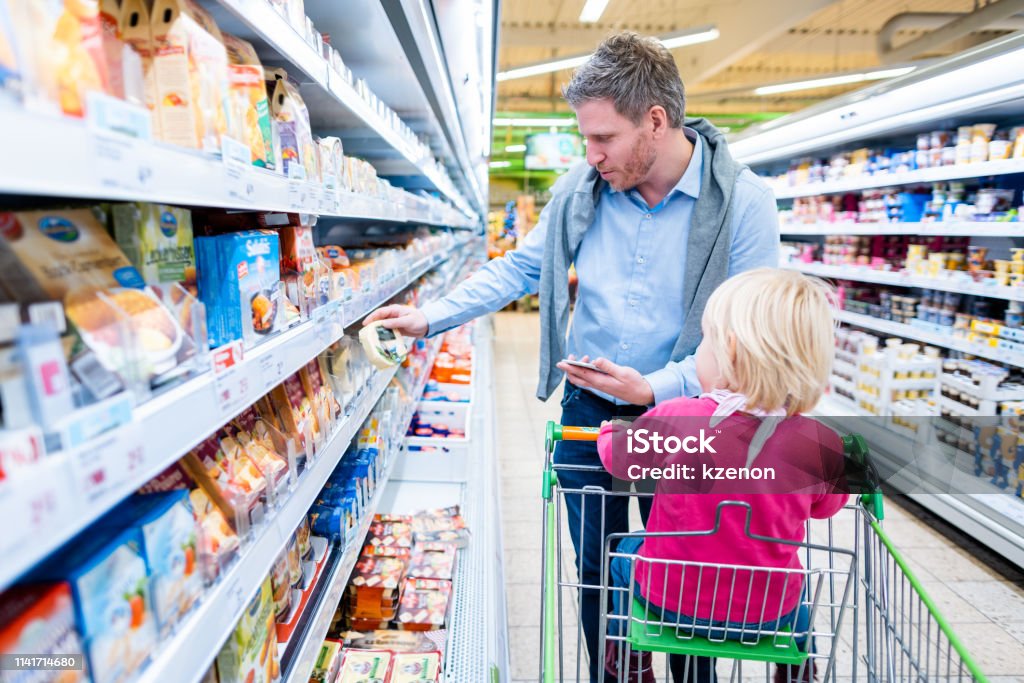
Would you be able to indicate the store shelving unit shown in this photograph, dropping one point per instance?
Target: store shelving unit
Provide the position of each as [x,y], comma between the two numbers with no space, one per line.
[334,585]
[138,169]
[917,177]
[939,229]
[962,283]
[946,341]
[197,403]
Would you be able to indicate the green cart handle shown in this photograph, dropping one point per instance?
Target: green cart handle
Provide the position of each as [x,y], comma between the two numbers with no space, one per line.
[856,450]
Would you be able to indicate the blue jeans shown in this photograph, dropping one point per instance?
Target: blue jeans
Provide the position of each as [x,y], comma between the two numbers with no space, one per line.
[591,518]
[619,569]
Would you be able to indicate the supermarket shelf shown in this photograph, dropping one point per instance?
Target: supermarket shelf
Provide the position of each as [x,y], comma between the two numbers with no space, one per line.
[320,619]
[189,652]
[924,175]
[84,164]
[196,403]
[921,335]
[257,21]
[962,284]
[940,229]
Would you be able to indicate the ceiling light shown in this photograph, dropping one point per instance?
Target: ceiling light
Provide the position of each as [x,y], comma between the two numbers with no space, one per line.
[592,11]
[515,148]
[693,37]
[671,41]
[534,123]
[844,79]
[500,164]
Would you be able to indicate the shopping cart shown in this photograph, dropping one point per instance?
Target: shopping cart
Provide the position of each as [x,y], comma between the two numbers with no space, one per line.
[869,618]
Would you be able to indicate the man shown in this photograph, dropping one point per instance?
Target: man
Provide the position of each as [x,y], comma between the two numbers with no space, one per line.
[657,218]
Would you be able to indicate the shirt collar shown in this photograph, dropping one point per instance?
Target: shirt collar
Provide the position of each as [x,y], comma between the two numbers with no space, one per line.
[689,184]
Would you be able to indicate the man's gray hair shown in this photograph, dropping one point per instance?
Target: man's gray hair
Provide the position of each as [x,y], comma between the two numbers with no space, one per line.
[634,72]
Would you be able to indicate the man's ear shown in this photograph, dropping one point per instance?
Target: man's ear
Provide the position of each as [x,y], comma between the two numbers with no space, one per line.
[659,120]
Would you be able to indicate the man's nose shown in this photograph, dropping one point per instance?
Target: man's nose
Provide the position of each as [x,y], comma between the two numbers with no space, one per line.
[594,155]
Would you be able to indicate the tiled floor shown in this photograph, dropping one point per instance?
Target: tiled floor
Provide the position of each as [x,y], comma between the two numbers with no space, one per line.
[984,606]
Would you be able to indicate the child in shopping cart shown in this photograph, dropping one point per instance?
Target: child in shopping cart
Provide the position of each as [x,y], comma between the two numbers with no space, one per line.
[765,359]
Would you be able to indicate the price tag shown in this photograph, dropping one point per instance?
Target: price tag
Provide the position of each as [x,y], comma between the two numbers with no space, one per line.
[328,200]
[271,371]
[120,134]
[231,383]
[103,464]
[237,170]
[235,598]
[297,195]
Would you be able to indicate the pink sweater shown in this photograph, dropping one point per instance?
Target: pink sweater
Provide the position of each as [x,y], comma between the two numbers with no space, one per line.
[808,460]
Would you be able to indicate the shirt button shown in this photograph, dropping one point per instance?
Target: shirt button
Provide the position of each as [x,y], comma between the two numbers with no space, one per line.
[632,302]
[640,259]
[625,346]
[647,216]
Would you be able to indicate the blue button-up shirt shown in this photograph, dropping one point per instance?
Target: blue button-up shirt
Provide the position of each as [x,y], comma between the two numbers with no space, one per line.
[630,265]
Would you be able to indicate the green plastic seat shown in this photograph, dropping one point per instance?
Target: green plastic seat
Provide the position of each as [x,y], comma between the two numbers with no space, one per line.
[653,638]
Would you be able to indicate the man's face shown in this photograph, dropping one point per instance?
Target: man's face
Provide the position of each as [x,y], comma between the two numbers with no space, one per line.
[622,151]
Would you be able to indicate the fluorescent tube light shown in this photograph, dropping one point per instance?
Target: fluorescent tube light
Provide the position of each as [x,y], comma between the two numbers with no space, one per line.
[844,79]
[500,164]
[671,41]
[515,148]
[592,11]
[535,123]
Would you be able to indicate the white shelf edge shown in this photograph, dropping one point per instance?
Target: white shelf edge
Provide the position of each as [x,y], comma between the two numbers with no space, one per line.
[939,229]
[189,652]
[924,175]
[161,424]
[173,175]
[947,342]
[865,274]
[286,41]
[305,656]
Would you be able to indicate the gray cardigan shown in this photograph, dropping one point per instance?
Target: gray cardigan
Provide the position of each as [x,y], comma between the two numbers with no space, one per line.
[571,212]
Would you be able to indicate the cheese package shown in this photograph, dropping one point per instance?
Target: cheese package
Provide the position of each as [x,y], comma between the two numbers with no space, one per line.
[40,619]
[328,663]
[331,161]
[137,32]
[364,666]
[281,586]
[433,561]
[414,667]
[296,409]
[299,266]
[249,101]
[239,275]
[251,654]
[158,241]
[113,46]
[384,347]
[191,75]
[11,60]
[424,604]
[108,579]
[298,155]
[395,641]
[170,547]
[63,50]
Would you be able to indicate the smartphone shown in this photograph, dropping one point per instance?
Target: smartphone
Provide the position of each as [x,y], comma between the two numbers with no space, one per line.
[581,364]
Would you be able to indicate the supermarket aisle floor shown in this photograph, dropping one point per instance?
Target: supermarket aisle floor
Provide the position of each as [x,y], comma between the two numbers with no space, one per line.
[985,606]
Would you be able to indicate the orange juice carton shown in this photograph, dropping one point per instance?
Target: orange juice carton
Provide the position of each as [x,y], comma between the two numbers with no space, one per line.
[110,587]
[137,32]
[40,619]
[250,655]
[191,64]
[249,101]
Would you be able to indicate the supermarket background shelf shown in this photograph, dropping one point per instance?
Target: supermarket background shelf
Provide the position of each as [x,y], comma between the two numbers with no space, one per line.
[920,176]
[152,171]
[321,614]
[196,403]
[937,229]
[946,341]
[334,104]
[189,652]
[961,284]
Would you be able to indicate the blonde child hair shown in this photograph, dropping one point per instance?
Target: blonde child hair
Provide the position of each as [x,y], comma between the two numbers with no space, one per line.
[772,333]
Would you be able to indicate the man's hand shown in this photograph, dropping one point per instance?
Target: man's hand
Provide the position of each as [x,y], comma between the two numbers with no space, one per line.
[406,320]
[615,380]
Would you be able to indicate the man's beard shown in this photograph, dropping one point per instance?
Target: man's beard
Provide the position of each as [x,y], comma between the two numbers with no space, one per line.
[638,166]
